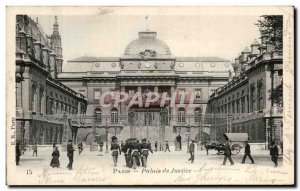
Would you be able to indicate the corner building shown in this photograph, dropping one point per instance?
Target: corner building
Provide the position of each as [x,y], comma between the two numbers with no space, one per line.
[245,104]
[43,104]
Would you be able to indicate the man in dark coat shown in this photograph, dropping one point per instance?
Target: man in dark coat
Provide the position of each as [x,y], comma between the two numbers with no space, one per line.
[167,147]
[115,149]
[144,149]
[274,153]
[227,153]
[135,153]
[192,151]
[206,145]
[18,153]
[247,153]
[125,150]
[70,154]
[155,145]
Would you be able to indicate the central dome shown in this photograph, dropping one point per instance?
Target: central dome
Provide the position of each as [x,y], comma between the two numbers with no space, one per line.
[147,41]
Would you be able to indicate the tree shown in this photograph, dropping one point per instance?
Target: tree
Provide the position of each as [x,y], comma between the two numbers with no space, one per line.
[277,95]
[270,28]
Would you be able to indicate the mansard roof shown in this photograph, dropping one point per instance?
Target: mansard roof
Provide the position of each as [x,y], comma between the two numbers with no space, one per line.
[200,59]
[95,59]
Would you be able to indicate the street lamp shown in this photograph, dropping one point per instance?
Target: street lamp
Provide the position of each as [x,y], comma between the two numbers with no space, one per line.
[106,133]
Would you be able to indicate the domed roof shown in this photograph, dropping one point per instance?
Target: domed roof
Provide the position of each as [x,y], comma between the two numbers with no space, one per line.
[147,41]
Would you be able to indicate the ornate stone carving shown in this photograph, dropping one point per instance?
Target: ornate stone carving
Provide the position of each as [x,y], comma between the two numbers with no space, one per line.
[148,54]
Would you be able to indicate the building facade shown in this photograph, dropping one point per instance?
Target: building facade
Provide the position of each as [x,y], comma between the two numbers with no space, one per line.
[147,65]
[43,104]
[245,104]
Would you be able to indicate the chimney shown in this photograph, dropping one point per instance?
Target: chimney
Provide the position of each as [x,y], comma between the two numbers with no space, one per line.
[255,47]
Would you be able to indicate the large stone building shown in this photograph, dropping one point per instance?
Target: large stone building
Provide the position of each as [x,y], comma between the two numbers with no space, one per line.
[43,104]
[146,65]
[245,104]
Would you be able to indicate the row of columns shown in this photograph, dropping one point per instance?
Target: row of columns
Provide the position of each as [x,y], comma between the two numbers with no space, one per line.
[44,134]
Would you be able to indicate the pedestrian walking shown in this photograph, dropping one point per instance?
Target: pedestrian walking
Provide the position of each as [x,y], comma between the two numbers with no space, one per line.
[227,154]
[125,149]
[247,153]
[34,148]
[135,153]
[115,150]
[54,145]
[192,151]
[55,158]
[144,149]
[274,153]
[206,145]
[70,154]
[167,147]
[155,145]
[18,153]
[122,145]
[80,147]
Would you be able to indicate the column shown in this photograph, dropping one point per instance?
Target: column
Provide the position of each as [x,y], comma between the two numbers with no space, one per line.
[123,106]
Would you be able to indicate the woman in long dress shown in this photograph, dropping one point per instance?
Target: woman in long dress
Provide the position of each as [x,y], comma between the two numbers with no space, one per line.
[55,158]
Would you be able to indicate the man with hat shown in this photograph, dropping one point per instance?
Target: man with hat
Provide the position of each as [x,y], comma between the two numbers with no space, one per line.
[18,153]
[145,148]
[115,149]
[70,154]
[274,153]
[192,151]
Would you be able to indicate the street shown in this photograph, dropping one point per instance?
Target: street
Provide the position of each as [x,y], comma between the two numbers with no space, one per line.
[157,159]
[94,168]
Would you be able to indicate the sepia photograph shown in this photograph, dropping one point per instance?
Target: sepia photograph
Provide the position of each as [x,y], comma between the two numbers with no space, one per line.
[150,96]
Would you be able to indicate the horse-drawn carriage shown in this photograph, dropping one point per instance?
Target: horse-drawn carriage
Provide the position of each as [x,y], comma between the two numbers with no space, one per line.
[237,142]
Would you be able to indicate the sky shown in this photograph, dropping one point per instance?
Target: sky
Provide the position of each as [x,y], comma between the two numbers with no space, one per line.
[223,36]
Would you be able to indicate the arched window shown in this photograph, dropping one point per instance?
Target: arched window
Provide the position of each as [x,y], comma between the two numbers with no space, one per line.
[98,116]
[181,115]
[114,115]
[34,97]
[197,115]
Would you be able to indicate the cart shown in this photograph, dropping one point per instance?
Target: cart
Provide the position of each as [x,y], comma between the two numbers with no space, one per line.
[237,141]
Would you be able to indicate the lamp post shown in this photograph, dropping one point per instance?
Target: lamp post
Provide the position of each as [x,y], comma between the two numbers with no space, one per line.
[106,134]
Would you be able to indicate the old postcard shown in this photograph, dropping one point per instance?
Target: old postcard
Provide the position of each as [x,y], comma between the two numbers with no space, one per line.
[150,96]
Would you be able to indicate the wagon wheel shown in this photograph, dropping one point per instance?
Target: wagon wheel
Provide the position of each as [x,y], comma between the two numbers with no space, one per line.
[235,149]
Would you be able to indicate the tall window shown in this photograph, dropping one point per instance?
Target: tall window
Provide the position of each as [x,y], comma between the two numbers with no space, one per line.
[33,97]
[252,98]
[198,94]
[243,105]
[148,118]
[114,116]
[41,100]
[181,115]
[98,116]
[97,94]
[181,95]
[197,115]
[260,102]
